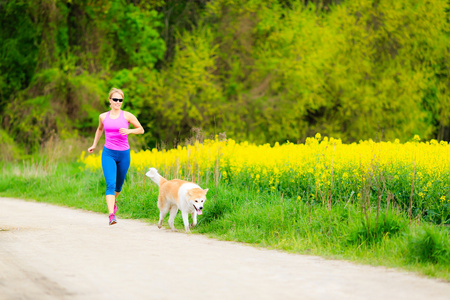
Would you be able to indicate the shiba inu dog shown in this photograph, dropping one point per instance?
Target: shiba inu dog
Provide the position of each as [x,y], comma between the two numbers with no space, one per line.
[177,195]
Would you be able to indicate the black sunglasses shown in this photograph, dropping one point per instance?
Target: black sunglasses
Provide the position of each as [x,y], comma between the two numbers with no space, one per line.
[117,99]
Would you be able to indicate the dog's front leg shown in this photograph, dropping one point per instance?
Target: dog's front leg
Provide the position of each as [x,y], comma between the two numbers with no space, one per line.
[194,219]
[173,213]
[185,221]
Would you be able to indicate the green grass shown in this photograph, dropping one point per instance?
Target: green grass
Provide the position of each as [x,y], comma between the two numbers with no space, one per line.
[241,214]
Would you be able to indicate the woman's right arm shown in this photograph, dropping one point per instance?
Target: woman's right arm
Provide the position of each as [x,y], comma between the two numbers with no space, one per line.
[98,134]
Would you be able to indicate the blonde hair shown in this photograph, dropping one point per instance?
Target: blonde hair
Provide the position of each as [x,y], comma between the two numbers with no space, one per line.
[114,90]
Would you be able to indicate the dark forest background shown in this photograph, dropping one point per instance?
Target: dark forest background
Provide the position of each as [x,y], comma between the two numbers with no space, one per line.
[262,71]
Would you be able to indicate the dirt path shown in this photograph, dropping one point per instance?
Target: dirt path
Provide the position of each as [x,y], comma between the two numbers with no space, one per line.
[51,252]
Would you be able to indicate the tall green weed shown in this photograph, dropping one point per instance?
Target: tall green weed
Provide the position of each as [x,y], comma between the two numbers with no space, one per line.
[428,244]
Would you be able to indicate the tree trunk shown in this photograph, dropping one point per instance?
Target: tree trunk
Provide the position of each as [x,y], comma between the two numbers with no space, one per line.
[444,133]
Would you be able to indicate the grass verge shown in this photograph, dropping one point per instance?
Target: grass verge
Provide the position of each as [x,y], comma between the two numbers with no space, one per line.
[240,214]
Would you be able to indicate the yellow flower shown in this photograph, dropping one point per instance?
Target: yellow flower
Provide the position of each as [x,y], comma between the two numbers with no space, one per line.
[317,163]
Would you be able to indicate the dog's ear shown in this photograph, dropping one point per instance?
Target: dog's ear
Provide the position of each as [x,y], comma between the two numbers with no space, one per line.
[206,190]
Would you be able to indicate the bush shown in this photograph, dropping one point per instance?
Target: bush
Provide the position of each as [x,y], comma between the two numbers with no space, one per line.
[371,232]
[429,245]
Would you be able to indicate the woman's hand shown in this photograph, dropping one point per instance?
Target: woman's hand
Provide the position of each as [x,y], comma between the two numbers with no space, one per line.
[91,149]
[124,131]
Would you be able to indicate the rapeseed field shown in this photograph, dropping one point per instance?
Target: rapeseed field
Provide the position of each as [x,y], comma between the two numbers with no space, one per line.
[412,176]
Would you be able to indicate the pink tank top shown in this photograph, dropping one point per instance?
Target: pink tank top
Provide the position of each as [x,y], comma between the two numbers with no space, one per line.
[114,140]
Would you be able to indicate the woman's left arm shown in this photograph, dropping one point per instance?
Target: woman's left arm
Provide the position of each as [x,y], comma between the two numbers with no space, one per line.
[133,120]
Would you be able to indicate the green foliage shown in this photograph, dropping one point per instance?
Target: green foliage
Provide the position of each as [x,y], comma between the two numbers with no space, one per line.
[57,63]
[429,244]
[374,231]
[18,52]
[190,96]
[10,151]
[259,71]
[68,103]
[359,71]
[135,34]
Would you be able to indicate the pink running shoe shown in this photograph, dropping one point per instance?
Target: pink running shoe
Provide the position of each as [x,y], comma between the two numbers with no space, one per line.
[115,207]
[112,219]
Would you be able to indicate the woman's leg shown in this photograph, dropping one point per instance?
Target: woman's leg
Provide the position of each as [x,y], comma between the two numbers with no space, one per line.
[116,194]
[122,169]
[109,167]
[110,200]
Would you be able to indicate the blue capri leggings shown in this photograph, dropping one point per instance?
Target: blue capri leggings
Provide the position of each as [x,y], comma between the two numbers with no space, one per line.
[115,166]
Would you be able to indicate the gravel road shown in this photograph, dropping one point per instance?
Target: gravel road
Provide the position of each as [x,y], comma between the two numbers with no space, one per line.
[52,252]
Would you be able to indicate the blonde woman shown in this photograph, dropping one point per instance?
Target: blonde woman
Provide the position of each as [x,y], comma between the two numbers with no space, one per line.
[116,152]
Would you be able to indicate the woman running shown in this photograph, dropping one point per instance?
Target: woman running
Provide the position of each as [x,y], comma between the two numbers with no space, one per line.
[116,153]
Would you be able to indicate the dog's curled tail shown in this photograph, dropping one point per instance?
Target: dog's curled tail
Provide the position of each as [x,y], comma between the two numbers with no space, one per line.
[154,175]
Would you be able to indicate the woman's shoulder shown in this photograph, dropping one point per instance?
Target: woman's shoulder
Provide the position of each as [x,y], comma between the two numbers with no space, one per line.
[127,114]
[103,115]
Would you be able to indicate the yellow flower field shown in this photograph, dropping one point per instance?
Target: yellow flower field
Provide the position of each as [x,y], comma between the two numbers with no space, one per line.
[323,171]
